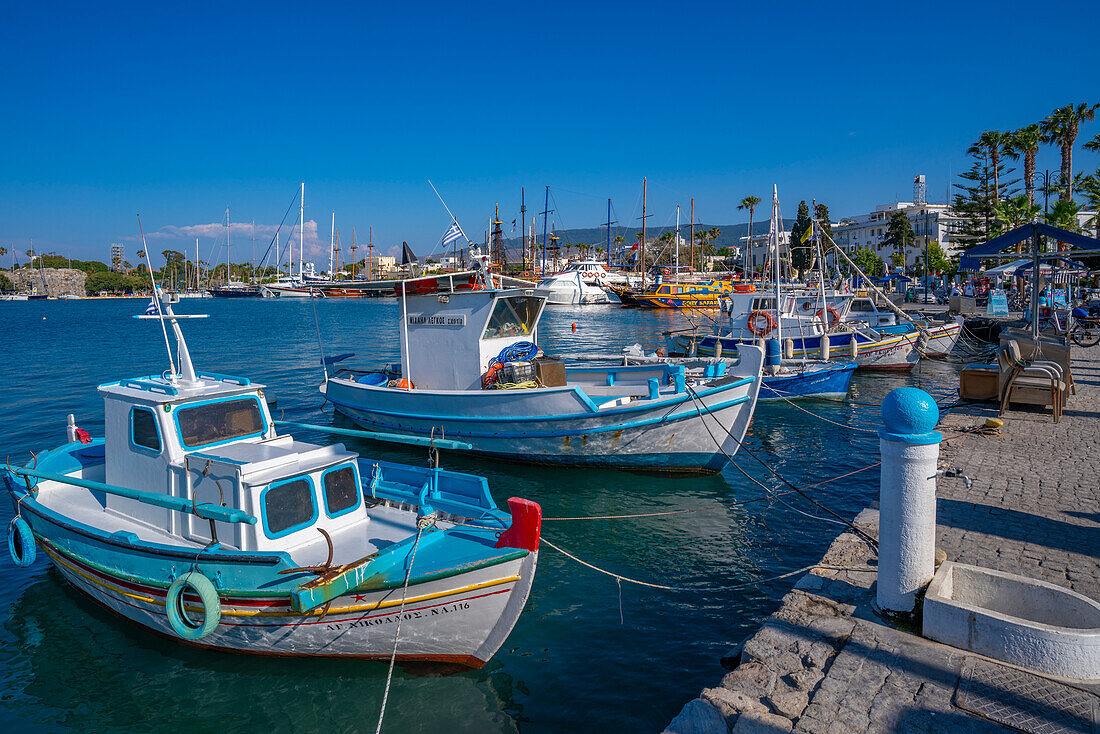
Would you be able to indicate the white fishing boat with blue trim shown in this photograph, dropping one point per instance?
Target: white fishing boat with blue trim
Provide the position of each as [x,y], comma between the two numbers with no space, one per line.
[471,370]
[195,517]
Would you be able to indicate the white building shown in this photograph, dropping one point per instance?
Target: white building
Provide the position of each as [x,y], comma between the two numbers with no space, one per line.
[756,250]
[930,222]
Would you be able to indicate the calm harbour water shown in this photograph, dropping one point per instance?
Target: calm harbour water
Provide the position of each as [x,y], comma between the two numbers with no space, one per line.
[583,656]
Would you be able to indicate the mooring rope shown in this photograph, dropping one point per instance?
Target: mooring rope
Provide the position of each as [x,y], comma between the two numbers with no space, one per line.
[779,394]
[721,506]
[838,518]
[704,589]
[421,525]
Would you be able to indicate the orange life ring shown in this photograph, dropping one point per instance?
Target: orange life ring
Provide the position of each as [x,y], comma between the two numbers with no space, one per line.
[755,328]
[668,271]
[834,317]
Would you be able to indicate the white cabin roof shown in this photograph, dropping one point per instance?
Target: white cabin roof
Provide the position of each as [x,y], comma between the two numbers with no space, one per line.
[156,389]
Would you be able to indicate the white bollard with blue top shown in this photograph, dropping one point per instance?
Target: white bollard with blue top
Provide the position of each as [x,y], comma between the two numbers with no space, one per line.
[909,447]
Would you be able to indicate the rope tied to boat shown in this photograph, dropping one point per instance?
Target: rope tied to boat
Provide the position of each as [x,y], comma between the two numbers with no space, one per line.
[705,589]
[839,519]
[422,524]
[779,394]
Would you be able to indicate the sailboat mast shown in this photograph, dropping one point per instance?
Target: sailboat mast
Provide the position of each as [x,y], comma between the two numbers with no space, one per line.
[228,259]
[643,231]
[608,232]
[302,231]
[523,223]
[676,255]
[332,264]
[820,264]
[691,234]
[545,213]
[370,251]
[775,240]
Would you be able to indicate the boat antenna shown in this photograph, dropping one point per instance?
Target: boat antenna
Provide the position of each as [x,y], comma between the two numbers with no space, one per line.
[443,202]
[156,299]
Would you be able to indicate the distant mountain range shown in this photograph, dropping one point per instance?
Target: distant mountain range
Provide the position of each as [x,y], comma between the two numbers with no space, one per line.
[729,234]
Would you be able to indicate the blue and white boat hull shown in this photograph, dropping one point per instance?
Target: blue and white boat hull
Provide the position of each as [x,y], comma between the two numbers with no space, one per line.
[596,420]
[828,381]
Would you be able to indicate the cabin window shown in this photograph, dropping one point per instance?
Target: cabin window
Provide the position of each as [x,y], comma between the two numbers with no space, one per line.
[207,423]
[288,507]
[513,316]
[766,304]
[143,429]
[341,491]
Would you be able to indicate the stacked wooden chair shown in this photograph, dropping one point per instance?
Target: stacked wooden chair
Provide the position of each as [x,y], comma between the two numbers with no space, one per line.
[1031,381]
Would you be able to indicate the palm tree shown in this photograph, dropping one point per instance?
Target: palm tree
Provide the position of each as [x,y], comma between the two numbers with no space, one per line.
[1090,187]
[750,202]
[1026,140]
[1015,212]
[993,144]
[1061,127]
[1094,144]
[1064,216]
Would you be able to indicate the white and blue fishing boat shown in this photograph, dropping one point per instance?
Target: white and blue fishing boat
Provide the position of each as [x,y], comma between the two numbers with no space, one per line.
[195,517]
[470,370]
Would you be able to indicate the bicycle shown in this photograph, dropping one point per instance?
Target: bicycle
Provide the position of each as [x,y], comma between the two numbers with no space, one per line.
[1079,325]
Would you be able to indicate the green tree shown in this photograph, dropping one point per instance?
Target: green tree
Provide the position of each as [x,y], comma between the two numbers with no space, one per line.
[5,283]
[992,144]
[1064,215]
[934,258]
[975,217]
[801,254]
[899,235]
[1015,212]
[1090,190]
[1060,128]
[870,263]
[1025,142]
[824,226]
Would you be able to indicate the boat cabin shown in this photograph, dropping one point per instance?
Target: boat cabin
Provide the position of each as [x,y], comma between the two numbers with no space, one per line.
[212,440]
[448,337]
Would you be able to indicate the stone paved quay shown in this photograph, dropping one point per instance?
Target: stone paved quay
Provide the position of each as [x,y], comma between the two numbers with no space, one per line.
[825,663]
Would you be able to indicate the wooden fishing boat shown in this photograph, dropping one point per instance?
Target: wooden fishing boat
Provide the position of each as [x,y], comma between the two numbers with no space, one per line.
[195,517]
[458,345]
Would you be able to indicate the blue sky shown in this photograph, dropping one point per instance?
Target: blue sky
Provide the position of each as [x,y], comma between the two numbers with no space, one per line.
[178,112]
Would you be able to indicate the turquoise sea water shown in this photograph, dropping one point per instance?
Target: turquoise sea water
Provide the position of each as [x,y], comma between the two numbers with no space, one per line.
[584,656]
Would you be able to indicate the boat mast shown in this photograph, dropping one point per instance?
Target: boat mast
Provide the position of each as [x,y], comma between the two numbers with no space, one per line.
[370,251]
[523,223]
[642,245]
[820,252]
[332,264]
[545,212]
[609,223]
[676,245]
[691,233]
[775,241]
[228,259]
[302,231]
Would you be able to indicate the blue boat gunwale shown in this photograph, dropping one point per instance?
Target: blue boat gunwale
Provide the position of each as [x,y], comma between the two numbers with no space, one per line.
[671,402]
[666,418]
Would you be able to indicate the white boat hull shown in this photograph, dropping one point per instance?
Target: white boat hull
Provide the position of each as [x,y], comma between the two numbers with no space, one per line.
[677,433]
[463,619]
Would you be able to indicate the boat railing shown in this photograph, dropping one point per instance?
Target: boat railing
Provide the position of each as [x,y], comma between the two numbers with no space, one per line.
[205,510]
[218,377]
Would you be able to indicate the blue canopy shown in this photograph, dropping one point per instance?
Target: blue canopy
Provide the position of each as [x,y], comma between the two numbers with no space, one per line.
[893,276]
[994,248]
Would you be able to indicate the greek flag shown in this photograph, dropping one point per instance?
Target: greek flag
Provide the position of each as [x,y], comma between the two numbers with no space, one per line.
[151,309]
[453,234]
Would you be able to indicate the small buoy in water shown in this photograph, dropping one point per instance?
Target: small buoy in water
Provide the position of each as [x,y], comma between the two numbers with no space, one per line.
[43,318]
[574,326]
